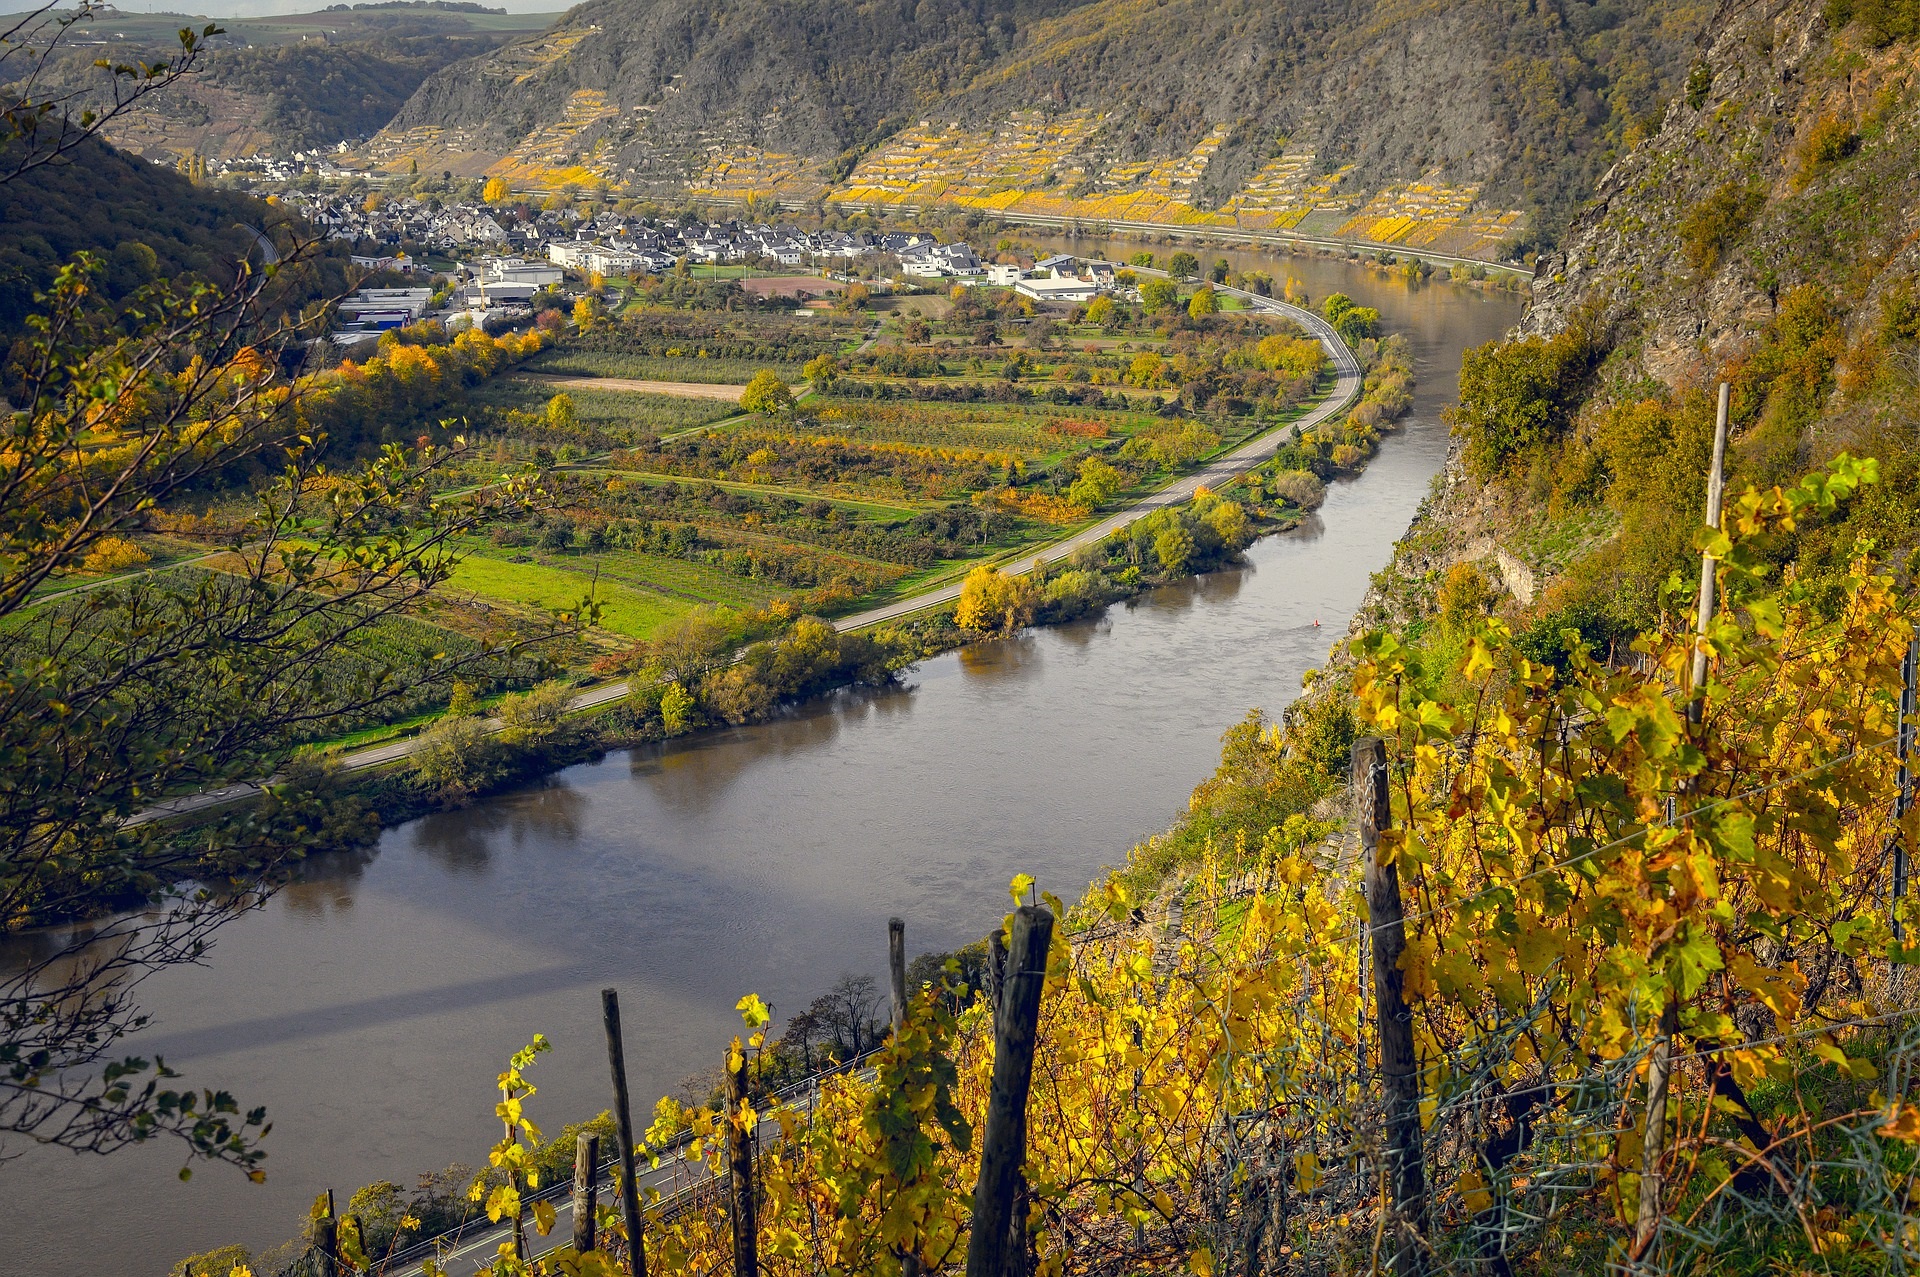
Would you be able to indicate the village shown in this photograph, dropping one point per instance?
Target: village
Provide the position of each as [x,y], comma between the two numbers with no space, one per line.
[485,266]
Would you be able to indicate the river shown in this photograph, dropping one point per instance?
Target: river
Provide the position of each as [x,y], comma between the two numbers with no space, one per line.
[370,1006]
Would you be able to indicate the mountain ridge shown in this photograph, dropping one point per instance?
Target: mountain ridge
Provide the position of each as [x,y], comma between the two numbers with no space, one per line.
[1438,112]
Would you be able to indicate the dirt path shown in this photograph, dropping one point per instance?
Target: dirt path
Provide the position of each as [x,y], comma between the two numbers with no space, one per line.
[683,389]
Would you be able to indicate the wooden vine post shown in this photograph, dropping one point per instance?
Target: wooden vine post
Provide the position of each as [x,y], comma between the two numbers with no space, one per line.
[897,982]
[1399,1066]
[623,1126]
[996,1247]
[326,1239]
[897,970]
[746,1227]
[586,1191]
[1903,795]
[1653,1139]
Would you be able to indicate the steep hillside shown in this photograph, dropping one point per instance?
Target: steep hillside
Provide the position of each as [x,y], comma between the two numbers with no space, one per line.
[1769,235]
[1450,125]
[279,85]
[146,222]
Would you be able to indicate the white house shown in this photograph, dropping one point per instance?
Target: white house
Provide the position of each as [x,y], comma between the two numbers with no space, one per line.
[570,253]
[1003,276]
[517,270]
[1065,289]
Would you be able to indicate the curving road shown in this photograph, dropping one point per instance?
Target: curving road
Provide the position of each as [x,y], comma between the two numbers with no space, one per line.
[1216,473]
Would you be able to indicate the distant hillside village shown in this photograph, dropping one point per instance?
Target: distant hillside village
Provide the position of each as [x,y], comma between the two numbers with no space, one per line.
[503,262]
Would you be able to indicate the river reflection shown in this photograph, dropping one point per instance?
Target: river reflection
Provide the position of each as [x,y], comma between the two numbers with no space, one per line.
[370,1005]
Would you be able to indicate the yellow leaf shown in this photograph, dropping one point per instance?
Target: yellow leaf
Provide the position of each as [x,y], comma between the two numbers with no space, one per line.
[1021,884]
[543,1217]
[1903,1125]
[753,1010]
[1200,1263]
[1473,1191]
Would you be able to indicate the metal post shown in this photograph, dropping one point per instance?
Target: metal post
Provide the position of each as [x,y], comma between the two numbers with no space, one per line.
[1696,689]
[1399,1064]
[623,1124]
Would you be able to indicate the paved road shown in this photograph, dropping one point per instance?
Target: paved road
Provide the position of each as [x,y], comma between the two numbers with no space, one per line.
[1215,474]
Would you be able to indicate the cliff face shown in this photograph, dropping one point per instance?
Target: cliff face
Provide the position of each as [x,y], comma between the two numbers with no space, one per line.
[1385,118]
[1767,235]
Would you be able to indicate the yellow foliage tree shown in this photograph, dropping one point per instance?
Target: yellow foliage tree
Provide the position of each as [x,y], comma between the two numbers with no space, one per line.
[495,191]
[991,602]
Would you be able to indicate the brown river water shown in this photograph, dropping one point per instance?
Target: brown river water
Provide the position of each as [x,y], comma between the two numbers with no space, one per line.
[370,1007]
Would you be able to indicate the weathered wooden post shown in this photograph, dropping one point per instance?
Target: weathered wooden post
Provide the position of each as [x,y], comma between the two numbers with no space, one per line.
[897,970]
[586,1191]
[623,1125]
[1399,1067]
[992,1250]
[326,1239]
[746,1230]
[1903,796]
[897,981]
[996,969]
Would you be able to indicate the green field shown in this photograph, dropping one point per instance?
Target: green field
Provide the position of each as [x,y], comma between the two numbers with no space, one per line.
[623,609]
[615,411]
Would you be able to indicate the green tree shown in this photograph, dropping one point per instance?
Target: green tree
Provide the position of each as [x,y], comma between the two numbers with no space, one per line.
[1183,264]
[1159,294]
[1141,259]
[1173,547]
[1356,324]
[1100,311]
[766,393]
[1511,399]
[1221,269]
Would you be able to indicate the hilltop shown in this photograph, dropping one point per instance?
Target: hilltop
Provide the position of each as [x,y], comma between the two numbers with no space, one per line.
[1460,127]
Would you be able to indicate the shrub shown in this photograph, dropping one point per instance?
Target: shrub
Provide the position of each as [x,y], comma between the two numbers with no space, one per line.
[1300,488]
[113,554]
[536,718]
[454,756]
[1174,548]
[1717,221]
[218,1262]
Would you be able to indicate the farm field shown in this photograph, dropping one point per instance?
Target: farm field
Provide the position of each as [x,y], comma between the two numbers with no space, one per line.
[696,368]
[615,413]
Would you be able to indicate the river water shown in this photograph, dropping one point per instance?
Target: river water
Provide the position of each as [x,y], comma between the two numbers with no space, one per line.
[370,1006]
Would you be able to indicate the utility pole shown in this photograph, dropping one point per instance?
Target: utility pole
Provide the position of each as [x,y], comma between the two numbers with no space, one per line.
[1399,1065]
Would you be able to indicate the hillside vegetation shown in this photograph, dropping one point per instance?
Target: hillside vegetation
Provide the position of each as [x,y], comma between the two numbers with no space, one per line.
[1765,237]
